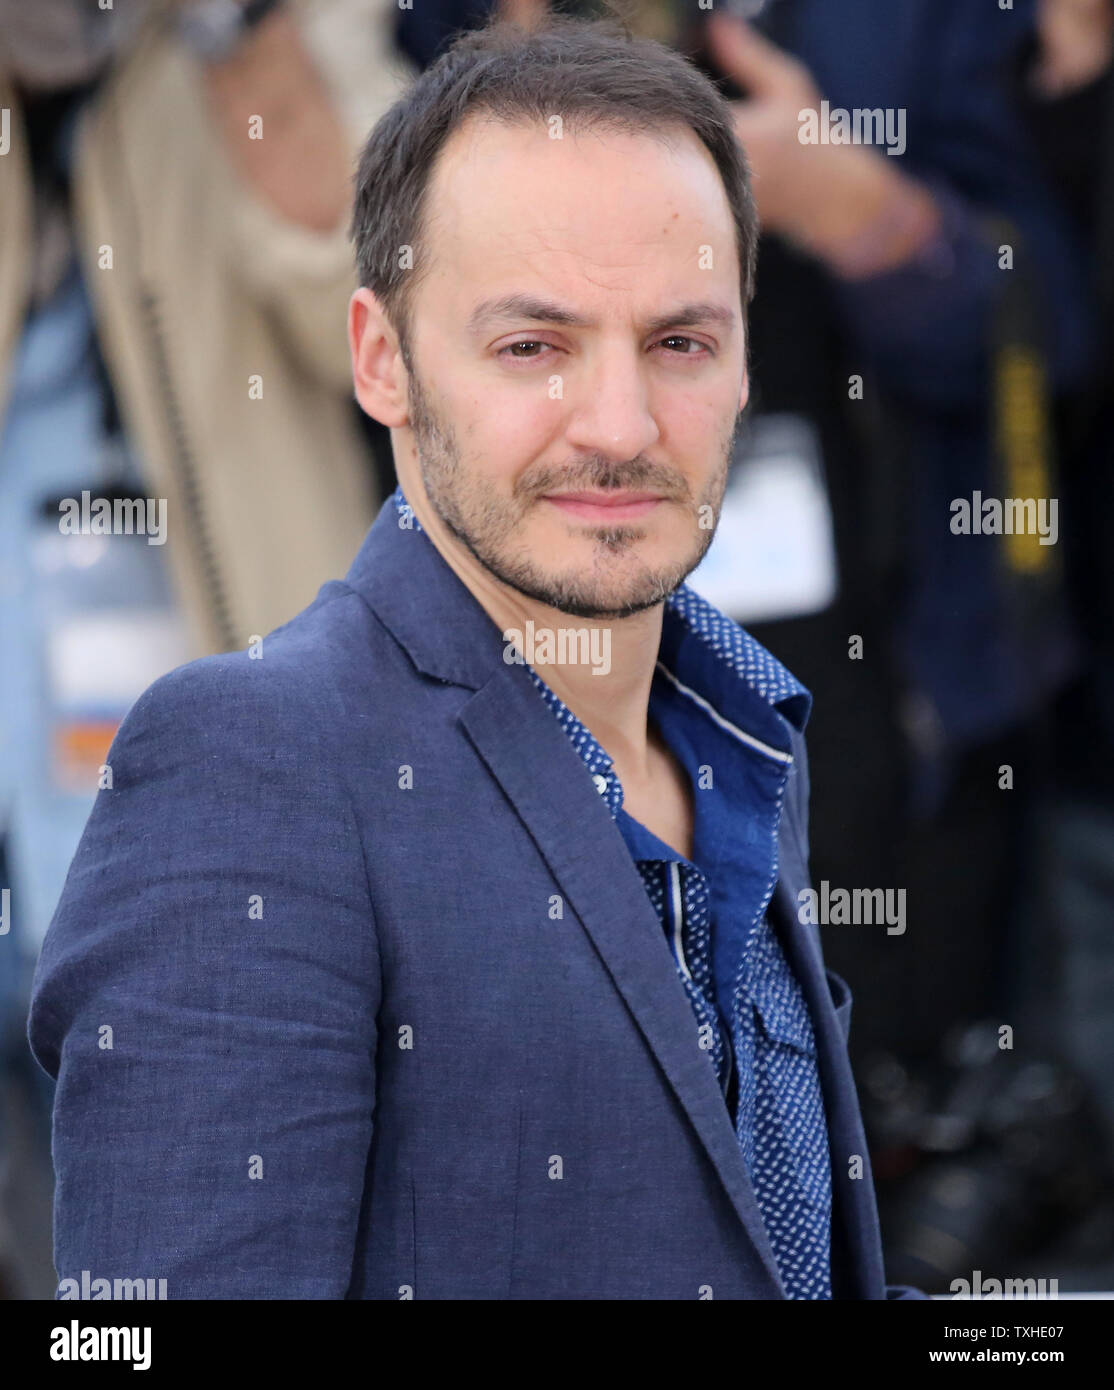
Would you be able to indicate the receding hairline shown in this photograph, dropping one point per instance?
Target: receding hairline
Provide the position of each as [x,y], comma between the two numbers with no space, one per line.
[670,133]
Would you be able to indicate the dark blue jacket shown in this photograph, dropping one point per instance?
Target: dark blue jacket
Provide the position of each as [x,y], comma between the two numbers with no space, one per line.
[320,1036]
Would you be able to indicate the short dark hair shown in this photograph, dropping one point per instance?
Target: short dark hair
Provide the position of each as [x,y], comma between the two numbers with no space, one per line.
[593,73]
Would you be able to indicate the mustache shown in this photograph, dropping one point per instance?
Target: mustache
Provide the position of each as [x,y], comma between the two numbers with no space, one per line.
[604,476]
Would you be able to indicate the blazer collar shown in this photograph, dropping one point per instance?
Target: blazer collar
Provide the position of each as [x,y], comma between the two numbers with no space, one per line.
[402,576]
[449,635]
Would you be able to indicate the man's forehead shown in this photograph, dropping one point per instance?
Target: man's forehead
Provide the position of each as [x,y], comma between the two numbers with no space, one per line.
[500,208]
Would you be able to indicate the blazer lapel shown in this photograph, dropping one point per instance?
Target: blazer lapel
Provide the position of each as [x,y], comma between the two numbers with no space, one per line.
[545,781]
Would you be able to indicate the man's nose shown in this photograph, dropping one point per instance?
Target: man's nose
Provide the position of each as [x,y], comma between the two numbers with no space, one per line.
[612,415]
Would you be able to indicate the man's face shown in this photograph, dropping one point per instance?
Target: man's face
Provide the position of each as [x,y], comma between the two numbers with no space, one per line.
[582,463]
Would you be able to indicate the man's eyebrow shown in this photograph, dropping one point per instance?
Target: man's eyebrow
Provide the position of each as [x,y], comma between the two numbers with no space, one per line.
[527,306]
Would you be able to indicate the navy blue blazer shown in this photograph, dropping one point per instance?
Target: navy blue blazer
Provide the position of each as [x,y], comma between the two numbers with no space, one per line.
[355,991]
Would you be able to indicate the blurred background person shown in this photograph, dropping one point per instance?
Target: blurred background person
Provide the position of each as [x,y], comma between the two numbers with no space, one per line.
[174,278]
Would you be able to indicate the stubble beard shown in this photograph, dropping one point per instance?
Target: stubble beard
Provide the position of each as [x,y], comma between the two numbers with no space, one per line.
[487,524]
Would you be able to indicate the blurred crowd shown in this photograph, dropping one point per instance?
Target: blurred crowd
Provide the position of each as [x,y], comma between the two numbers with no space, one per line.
[931,329]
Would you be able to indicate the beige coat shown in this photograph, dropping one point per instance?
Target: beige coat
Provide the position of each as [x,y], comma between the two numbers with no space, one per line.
[198,287]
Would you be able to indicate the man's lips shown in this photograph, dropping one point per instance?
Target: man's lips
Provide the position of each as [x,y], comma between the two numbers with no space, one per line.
[605,506]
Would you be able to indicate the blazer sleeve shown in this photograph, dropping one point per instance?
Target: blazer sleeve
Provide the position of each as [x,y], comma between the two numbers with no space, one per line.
[206,998]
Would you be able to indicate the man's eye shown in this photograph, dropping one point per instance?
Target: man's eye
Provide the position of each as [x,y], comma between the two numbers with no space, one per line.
[678,338]
[524,342]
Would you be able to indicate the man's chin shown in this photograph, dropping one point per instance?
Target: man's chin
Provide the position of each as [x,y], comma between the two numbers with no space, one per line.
[609,615]
[603,603]
[634,586]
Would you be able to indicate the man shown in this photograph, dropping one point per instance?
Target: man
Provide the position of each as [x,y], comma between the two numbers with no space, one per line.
[393,966]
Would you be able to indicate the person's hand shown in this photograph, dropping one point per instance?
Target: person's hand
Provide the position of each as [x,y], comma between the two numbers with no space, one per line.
[767,122]
[845,204]
[1076,44]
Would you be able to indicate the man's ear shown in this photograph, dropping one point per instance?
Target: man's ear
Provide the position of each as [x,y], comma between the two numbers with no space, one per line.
[378,372]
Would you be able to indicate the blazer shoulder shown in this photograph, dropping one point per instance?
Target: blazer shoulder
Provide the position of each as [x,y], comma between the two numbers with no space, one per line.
[279,692]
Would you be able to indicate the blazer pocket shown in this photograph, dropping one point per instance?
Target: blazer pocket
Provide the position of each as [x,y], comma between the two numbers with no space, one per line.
[841,1001]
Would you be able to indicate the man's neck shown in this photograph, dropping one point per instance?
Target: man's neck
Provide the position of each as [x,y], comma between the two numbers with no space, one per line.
[611,703]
